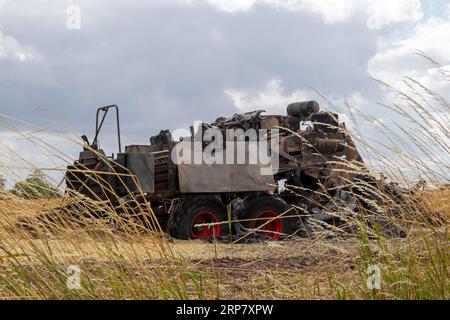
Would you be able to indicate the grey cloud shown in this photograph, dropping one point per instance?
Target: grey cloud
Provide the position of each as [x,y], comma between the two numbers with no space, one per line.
[167,65]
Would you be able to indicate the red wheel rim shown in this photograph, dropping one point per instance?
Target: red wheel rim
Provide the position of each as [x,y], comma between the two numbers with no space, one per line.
[269,224]
[201,232]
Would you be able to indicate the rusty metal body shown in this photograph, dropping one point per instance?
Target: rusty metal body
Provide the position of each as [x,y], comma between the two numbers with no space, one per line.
[308,159]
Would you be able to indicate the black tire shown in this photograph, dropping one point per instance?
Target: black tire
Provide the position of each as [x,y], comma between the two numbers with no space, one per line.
[197,210]
[265,209]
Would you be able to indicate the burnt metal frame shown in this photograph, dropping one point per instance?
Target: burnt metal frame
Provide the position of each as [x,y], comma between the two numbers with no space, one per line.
[98,126]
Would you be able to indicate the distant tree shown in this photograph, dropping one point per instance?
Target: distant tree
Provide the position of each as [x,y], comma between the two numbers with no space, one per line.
[3,193]
[35,186]
[2,183]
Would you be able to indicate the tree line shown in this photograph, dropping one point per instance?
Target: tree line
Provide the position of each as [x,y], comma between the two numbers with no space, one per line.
[35,186]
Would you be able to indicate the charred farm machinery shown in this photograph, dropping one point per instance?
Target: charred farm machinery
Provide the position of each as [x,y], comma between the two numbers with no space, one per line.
[318,167]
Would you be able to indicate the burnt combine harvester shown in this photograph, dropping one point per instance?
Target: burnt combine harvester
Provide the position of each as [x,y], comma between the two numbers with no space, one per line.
[318,168]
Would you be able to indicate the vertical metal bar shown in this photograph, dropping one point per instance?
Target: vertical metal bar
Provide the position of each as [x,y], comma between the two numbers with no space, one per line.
[118,128]
[98,126]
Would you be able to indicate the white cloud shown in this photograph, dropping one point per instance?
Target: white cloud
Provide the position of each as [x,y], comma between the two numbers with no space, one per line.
[380,13]
[354,101]
[395,60]
[330,11]
[10,48]
[384,13]
[233,5]
[274,99]
[271,98]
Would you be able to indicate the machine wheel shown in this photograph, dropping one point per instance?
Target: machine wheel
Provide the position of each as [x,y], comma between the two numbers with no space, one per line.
[194,211]
[266,211]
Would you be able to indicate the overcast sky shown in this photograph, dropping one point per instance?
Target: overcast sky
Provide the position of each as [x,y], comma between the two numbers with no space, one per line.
[167,63]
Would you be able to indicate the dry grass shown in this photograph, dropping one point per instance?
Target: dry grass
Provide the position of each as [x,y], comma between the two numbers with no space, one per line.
[115,266]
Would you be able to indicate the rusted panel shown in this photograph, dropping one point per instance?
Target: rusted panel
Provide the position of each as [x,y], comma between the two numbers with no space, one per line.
[204,178]
[329,146]
[223,178]
[141,165]
[269,123]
